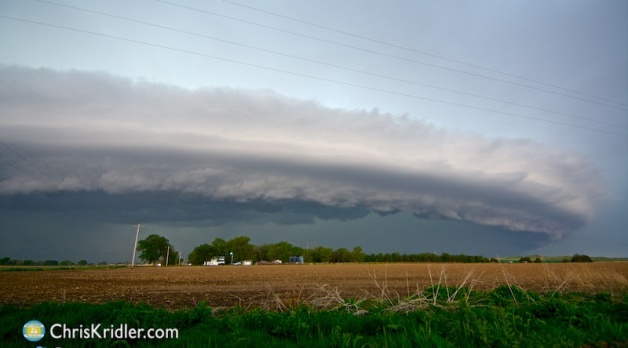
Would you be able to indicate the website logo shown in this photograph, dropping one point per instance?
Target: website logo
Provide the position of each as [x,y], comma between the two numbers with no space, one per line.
[34,330]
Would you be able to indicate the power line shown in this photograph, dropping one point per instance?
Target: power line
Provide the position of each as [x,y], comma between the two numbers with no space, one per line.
[40,177]
[31,170]
[333,65]
[623,107]
[309,76]
[17,166]
[420,52]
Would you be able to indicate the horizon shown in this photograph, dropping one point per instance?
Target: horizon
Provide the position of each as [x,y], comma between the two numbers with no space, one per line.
[554,258]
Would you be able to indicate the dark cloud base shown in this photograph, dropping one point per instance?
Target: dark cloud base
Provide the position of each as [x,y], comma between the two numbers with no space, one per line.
[88,225]
[174,208]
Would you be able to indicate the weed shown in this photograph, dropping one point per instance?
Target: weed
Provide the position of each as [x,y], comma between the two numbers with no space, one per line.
[503,317]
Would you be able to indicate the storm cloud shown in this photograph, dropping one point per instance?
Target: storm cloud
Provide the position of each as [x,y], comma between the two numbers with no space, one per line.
[102,135]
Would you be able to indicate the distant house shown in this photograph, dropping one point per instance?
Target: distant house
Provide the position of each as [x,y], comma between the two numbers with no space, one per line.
[215,261]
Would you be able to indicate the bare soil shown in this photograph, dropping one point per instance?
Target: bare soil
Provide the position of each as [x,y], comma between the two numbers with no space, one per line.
[269,285]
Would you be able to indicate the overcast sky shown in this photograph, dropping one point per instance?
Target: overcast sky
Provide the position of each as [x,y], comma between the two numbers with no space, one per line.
[493,128]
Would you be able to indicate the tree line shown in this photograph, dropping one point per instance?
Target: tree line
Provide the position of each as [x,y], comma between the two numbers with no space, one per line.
[157,249]
[242,249]
[7,261]
[574,258]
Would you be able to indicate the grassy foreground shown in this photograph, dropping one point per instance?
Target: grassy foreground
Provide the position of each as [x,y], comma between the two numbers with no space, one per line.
[440,317]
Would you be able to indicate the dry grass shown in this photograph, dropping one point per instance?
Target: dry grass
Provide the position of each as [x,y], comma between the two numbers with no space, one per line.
[348,287]
[571,277]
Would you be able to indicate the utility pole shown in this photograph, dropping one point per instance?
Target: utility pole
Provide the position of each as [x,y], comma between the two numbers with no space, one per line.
[167,255]
[137,233]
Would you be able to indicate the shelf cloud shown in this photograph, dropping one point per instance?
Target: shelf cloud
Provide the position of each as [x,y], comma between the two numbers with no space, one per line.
[98,133]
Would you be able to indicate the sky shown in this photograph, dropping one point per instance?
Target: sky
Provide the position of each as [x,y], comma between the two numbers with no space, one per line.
[487,128]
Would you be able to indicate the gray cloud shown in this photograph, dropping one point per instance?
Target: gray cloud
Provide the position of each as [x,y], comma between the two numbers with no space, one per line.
[113,137]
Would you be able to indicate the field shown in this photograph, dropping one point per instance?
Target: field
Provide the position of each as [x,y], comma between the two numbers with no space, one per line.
[336,305]
[279,287]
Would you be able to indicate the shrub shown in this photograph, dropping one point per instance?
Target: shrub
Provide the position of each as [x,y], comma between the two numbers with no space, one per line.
[581,258]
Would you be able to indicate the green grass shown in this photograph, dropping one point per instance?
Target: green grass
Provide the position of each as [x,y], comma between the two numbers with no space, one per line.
[505,317]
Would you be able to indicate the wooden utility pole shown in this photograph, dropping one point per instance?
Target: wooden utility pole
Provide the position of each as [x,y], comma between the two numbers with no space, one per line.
[137,233]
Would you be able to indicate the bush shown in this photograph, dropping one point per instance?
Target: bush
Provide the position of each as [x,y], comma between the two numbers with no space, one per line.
[581,258]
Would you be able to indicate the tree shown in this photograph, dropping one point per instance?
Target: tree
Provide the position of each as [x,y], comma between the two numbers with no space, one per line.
[66,263]
[395,257]
[220,247]
[260,252]
[581,258]
[5,260]
[282,251]
[525,259]
[173,257]
[357,255]
[240,248]
[153,248]
[201,254]
[307,255]
[322,254]
[82,263]
[341,255]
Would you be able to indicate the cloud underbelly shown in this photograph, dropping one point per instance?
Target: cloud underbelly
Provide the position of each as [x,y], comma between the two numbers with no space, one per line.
[252,146]
[504,200]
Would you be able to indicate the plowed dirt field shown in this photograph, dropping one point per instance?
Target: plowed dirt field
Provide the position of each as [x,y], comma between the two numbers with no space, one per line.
[274,286]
